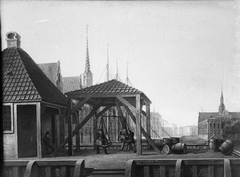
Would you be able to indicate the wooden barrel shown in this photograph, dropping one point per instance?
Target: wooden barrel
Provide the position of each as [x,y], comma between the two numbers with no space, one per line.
[168,141]
[159,143]
[227,147]
[213,145]
[179,148]
[176,140]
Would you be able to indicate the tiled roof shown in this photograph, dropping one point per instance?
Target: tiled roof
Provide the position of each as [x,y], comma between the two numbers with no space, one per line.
[112,87]
[24,81]
[71,83]
[206,115]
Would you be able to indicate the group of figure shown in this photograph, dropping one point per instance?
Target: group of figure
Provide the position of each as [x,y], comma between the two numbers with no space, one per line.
[126,136]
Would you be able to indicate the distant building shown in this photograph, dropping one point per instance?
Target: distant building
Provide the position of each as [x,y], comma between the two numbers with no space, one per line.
[53,72]
[210,123]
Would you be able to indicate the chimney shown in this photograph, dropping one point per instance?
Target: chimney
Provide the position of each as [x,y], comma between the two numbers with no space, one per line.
[13,39]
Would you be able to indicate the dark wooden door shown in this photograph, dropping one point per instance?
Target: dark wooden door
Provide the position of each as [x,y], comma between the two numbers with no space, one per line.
[27,132]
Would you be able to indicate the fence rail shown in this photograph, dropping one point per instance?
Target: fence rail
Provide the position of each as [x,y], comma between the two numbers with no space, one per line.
[44,168]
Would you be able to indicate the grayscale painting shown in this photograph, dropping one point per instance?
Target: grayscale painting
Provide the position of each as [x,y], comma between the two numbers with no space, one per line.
[121,88]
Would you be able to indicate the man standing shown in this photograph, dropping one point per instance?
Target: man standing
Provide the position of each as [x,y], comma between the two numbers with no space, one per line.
[101,141]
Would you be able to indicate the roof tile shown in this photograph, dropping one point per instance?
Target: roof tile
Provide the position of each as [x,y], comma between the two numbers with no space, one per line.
[23,80]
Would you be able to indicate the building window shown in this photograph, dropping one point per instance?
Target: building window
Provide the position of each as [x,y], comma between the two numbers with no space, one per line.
[7,118]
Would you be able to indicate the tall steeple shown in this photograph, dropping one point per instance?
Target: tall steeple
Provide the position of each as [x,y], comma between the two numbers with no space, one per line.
[221,106]
[86,77]
[87,63]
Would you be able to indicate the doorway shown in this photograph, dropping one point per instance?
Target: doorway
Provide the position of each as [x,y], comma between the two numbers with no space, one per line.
[27,132]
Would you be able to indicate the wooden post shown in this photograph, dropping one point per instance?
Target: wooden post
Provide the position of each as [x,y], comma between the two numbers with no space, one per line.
[77,134]
[138,125]
[120,113]
[69,118]
[62,125]
[148,122]
[39,130]
[94,130]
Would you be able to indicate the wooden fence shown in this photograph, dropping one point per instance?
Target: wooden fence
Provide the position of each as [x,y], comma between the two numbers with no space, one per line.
[44,168]
[183,168]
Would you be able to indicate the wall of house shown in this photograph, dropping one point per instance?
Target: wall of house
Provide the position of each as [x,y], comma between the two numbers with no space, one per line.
[9,146]
[215,127]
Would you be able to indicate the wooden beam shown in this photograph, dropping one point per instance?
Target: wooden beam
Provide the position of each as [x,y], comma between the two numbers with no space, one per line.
[143,131]
[76,129]
[120,113]
[94,130]
[227,168]
[138,125]
[69,120]
[80,104]
[39,130]
[148,123]
[77,134]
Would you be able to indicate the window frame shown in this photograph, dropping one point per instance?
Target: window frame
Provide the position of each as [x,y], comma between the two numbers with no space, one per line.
[12,123]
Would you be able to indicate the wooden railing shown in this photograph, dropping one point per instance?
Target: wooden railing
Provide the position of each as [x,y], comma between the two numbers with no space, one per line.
[183,168]
[134,168]
[44,168]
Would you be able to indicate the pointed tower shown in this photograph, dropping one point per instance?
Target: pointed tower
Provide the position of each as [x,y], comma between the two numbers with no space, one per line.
[87,77]
[221,106]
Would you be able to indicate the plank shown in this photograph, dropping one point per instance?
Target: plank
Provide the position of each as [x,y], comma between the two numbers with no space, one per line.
[16,171]
[138,125]
[178,168]
[79,168]
[146,171]
[120,113]
[227,168]
[31,169]
[195,171]
[69,120]
[63,171]
[130,169]
[48,171]
[162,171]
[148,123]
[211,171]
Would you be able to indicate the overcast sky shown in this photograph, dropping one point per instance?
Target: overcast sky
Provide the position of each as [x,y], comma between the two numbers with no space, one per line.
[178,53]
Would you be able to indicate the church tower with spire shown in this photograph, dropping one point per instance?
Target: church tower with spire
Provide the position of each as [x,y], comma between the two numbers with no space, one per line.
[86,79]
[221,106]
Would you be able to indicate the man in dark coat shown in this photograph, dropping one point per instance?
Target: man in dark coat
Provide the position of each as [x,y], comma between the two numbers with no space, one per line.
[101,141]
[47,140]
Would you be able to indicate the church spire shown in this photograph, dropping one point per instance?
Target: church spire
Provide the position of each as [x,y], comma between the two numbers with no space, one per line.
[221,106]
[86,78]
[87,64]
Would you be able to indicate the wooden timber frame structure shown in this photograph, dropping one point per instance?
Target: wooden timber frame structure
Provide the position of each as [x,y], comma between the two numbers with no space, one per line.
[101,98]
